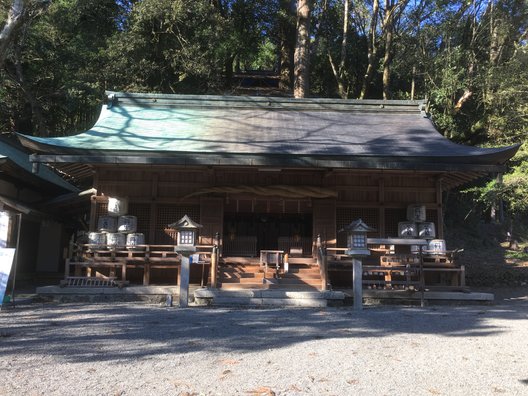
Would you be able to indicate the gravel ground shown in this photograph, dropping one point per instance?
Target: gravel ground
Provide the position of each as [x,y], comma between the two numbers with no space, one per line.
[142,349]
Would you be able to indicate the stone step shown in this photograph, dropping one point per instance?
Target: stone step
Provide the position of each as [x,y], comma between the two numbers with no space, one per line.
[237,286]
[277,297]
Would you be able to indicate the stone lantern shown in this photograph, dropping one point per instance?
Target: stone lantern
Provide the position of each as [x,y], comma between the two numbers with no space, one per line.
[187,231]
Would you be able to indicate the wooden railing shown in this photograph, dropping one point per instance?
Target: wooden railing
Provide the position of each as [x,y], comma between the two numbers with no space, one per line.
[422,271]
[92,257]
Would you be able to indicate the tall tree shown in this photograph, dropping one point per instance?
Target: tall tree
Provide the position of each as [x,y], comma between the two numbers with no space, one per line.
[339,69]
[301,82]
[20,12]
[286,43]
[393,11]
[372,39]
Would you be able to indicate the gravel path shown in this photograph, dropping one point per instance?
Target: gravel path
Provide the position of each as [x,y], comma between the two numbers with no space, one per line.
[141,349]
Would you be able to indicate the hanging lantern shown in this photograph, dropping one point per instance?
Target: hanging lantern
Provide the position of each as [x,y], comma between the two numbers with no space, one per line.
[357,238]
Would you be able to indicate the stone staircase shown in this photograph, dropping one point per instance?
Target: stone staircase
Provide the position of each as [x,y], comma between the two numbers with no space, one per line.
[247,273]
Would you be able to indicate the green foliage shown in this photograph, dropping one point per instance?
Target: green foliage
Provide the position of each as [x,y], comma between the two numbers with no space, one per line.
[54,69]
[507,101]
[266,57]
[512,190]
[166,46]
[517,255]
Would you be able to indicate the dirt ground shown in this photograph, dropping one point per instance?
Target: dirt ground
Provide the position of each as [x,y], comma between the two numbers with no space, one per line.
[147,349]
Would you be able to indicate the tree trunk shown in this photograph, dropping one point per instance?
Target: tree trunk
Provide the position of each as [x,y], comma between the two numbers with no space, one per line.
[228,70]
[286,49]
[340,71]
[15,19]
[372,50]
[301,74]
[37,116]
[388,27]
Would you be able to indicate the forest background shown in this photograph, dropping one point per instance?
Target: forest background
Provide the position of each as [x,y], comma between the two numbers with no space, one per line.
[468,58]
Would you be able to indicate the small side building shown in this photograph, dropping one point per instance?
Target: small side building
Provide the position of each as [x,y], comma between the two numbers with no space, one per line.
[31,221]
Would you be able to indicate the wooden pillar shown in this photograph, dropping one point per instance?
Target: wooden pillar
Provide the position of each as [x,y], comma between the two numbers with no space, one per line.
[146,274]
[152,224]
[381,210]
[67,268]
[324,278]
[93,204]
[214,266]
[123,272]
[439,209]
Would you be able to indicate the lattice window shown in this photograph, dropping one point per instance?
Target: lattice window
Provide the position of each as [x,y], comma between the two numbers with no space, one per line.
[345,216]
[431,216]
[168,214]
[101,209]
[392,217]
[142,212]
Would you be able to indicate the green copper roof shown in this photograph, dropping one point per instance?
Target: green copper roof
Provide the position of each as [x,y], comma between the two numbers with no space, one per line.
[150,125]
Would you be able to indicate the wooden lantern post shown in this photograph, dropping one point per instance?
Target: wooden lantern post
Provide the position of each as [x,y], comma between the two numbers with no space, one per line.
[185,246]
[357,248]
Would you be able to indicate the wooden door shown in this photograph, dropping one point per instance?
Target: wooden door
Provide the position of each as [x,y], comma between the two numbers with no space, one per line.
[212,219]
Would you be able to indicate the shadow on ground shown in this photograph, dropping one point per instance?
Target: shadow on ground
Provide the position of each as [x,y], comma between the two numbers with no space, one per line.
[103,332]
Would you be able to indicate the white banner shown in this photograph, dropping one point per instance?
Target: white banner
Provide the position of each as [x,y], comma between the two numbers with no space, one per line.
[6,261]
[4,228]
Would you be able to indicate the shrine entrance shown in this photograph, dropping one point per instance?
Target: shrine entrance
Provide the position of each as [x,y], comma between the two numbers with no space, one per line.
[245,234]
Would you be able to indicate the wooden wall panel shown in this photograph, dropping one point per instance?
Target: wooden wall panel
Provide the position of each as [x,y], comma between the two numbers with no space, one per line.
[170,213]
[345,216]
[212,220]
[324,220]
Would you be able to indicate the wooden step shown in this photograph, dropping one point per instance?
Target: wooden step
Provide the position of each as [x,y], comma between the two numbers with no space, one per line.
[242,280]
[241,275]
[294,281]
[297,287]
[314,270]
[300,276]
[302,260]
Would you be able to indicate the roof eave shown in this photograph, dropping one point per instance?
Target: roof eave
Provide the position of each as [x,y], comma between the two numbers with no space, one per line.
[355,162]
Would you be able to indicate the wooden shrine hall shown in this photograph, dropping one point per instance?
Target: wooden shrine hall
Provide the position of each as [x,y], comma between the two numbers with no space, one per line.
[271,181]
